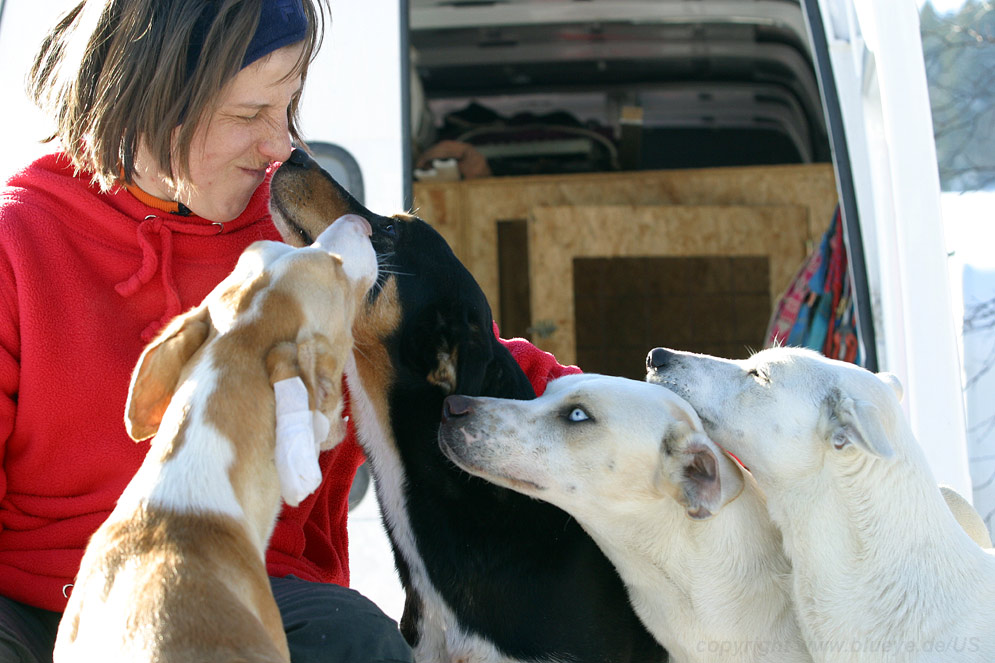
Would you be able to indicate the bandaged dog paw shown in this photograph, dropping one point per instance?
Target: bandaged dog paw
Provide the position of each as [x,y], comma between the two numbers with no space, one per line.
[299,431]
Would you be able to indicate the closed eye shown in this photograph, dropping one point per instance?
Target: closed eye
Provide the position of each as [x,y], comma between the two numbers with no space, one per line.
[756,373]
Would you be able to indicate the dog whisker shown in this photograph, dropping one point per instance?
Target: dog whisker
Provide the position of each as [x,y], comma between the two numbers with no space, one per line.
[356,348]
[384,267]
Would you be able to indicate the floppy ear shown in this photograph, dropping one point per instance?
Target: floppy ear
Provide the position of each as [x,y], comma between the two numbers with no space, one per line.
[459,361]
[894,383]
[157,373]
[443,375]
[858,422]
[314,361]
[707,479]
[321,370]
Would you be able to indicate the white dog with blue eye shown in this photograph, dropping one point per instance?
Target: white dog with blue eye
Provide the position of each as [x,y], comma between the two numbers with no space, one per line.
[684,526]
[881,569]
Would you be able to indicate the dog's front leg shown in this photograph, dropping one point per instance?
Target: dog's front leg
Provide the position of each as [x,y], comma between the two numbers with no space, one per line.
[299,429]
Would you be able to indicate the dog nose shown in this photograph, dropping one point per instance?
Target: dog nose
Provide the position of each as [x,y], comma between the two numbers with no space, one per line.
[658,357]
[298,158]
[456,406]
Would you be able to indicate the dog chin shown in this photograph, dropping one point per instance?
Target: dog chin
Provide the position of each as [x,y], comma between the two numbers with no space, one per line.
[454,451]
[514,483]
[517,484]
[293,234]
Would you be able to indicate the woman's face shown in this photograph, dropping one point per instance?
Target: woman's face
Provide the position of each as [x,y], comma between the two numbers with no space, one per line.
[233,147]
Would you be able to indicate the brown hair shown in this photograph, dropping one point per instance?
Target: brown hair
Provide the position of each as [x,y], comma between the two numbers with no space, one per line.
[114,75]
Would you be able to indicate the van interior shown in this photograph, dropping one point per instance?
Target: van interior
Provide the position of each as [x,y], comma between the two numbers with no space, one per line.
[659,170]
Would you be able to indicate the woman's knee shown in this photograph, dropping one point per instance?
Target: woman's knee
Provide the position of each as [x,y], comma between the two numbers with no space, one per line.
[27,634]
[326,623]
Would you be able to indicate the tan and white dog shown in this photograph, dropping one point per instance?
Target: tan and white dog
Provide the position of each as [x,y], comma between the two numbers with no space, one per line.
[177,572]
[881,568]
[686,528]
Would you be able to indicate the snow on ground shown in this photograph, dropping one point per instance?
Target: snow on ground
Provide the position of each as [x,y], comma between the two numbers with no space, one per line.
[371,561]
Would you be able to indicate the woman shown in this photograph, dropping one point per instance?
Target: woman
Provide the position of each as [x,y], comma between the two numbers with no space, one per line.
[171,115]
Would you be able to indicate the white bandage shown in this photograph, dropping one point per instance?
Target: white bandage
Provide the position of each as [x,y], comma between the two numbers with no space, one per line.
[299,431]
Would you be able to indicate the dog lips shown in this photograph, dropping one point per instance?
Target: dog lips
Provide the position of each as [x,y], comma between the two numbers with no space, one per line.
[298,434]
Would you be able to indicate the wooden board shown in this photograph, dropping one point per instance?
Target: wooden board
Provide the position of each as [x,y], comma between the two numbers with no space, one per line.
[441,204]
[558,234]
[467,213]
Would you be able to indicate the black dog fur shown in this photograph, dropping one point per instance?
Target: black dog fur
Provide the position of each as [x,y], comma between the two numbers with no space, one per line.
[513,572]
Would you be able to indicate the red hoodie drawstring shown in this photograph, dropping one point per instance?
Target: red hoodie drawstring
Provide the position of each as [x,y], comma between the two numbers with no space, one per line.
[164,228]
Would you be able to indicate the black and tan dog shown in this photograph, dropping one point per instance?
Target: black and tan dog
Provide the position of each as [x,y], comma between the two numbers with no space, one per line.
[490,575]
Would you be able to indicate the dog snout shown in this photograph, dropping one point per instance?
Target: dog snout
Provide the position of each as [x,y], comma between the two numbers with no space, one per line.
[456,406]
[658,358]
[299,158]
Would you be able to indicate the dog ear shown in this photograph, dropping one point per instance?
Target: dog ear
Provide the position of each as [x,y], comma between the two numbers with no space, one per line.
[320,368]
[894,383]
[444,373]
[157,372]
[860,423]
[458,363]
[476,368]
[706,479]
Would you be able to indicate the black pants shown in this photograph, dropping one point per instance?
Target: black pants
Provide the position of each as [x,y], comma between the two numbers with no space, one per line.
[324,624]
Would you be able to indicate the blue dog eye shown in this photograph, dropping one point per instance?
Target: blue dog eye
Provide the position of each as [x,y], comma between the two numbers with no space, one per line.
[578,414]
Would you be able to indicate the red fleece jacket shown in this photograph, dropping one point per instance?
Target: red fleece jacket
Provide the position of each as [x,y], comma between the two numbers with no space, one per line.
[86,279]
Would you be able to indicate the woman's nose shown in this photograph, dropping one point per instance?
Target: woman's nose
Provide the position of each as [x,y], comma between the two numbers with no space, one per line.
[276,144]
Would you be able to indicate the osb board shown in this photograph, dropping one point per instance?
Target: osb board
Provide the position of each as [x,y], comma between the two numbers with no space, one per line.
[441,204]
[559,234]
[480,204]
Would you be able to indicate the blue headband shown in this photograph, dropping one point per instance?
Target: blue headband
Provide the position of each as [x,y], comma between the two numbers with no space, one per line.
[281,23]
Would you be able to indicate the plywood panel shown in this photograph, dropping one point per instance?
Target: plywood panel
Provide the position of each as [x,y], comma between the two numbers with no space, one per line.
[557,234]
[623,306]
[441,204]
[467,212]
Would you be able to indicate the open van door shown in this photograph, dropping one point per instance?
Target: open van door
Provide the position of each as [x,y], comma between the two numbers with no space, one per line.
[356,102]
[873,82]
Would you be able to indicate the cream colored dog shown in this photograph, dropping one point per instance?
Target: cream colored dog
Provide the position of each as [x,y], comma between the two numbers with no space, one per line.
[687,530]
[177,572]
[882,570]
